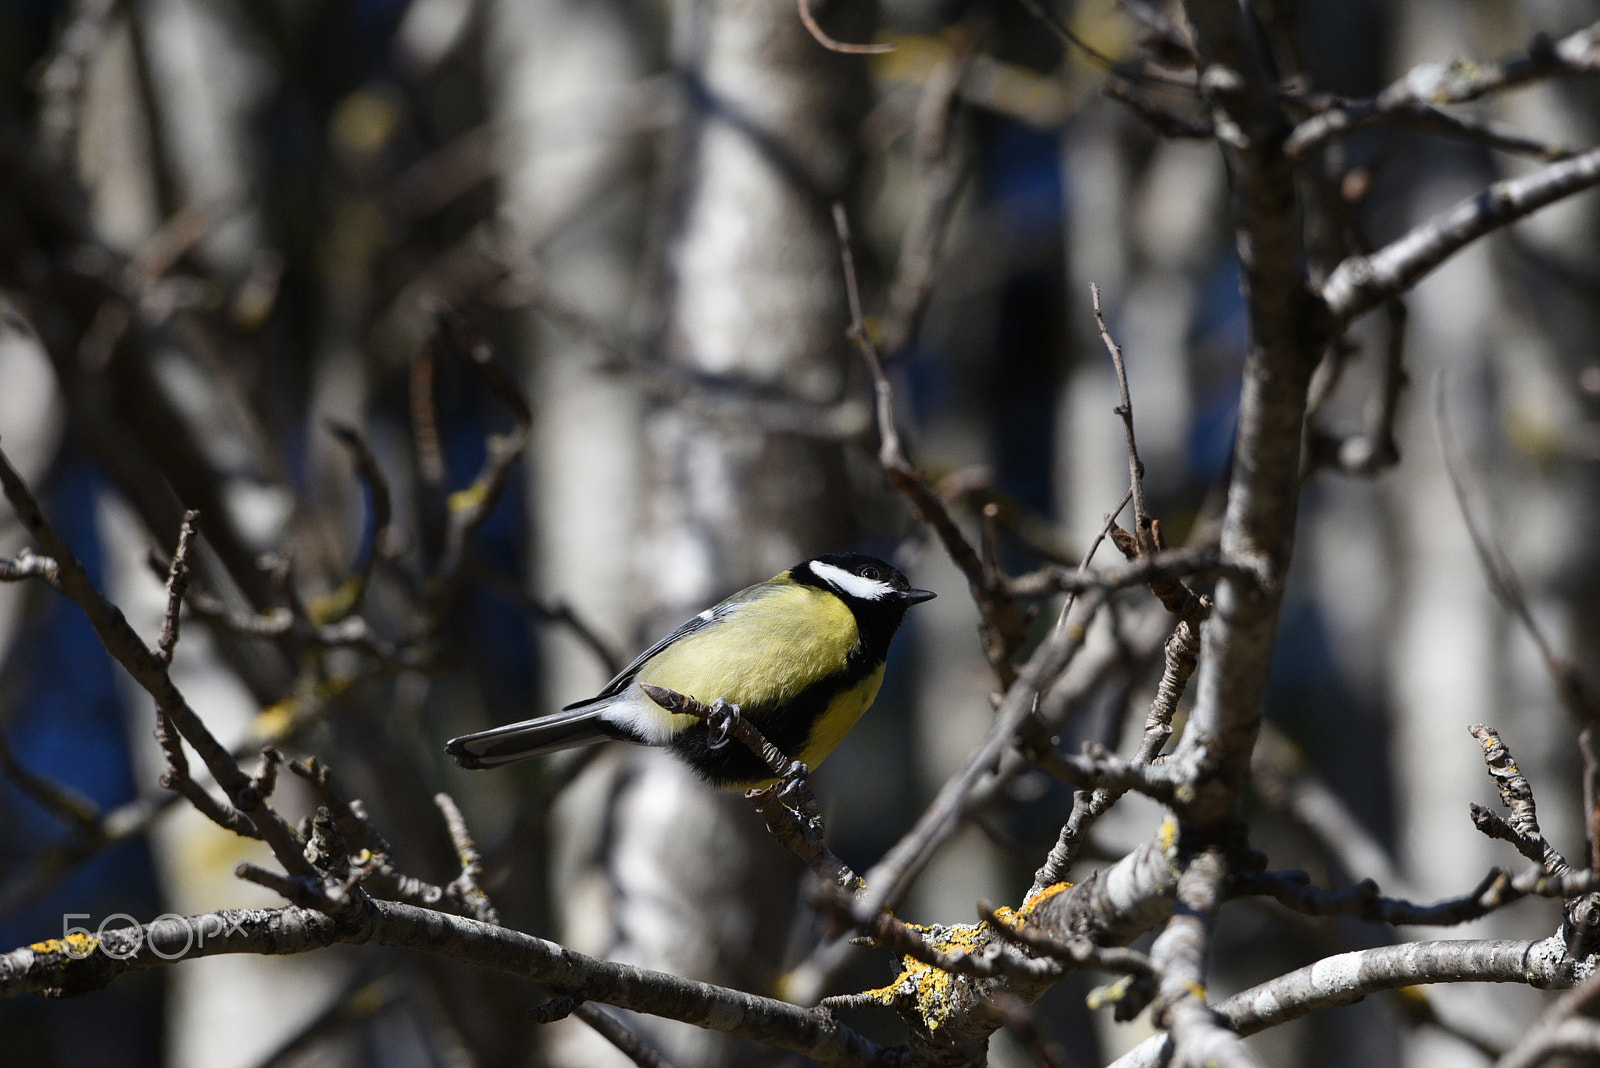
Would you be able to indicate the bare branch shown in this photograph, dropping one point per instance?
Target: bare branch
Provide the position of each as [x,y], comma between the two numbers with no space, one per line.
[1182,651]
[1566,1027]
[1161,564]
[613,1031]
[1497,890]
[64,803]
[177,583]
[1349,977]
[28,564]
[1361,283]
[1281,775]
[1179,956]
[1572,686]
[470,508]
[348,598]
[1264,485]
[1141,512]
[68,968]
[940,171]
[891,876]
[148,670]
[1096,768]
[465,887]
[982,954]
[1432,84]
[1516,794]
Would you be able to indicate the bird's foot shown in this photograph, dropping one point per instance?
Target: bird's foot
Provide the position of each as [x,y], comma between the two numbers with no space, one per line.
[723,716]
[793,780]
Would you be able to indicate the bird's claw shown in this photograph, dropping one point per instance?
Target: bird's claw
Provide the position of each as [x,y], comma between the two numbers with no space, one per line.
[721,721]
[793,779]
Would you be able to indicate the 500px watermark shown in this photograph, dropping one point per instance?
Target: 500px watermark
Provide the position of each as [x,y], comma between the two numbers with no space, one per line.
[170,936]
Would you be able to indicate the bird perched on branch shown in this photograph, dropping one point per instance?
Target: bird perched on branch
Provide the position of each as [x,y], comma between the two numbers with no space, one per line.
[800,656]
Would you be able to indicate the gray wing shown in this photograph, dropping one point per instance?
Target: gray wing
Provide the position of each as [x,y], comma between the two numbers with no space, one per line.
[690,626]
[580,723]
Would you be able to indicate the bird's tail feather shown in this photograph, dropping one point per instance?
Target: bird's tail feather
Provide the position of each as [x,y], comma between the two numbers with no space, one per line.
[515,741]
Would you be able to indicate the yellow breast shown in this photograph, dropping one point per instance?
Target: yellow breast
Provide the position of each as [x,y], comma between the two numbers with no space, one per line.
[765,652]
[840,716]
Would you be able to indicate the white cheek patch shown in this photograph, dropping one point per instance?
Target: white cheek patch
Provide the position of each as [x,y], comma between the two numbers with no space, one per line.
[863,588]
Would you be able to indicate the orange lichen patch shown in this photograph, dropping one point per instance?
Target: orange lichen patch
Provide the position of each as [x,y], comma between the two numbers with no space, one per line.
[1035,900]
[76,946]
[928,987]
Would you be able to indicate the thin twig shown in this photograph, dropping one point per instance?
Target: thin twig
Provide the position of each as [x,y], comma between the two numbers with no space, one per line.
[26,565]
[1516,794]
[940,174]
[348,599]
[1064,33]
[177,583]
[1013,1012]
[832,45]
[469,509]
[1078,951]
[1182,654]
[465,887]
[1550,1034]
[1124,409]
[973,951]
[627,1043]
[62,802]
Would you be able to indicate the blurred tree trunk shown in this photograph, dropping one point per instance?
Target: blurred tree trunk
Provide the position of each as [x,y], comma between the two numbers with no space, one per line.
[566,80]
[1459,658]
[751,307]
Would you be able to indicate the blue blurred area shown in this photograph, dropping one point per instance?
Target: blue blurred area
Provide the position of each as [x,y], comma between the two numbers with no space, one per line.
[502,639]
[1021,185]
[64,720]
[1221,338]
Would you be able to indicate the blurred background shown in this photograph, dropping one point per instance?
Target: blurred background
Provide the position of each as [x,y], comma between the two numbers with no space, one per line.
[231,228]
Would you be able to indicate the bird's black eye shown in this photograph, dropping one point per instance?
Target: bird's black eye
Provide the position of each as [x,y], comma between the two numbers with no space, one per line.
[869,573]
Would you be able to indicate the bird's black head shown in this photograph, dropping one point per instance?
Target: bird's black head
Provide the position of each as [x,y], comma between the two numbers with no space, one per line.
[877,592]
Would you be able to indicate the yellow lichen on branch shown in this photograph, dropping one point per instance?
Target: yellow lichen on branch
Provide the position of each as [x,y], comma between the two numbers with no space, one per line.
[927,986]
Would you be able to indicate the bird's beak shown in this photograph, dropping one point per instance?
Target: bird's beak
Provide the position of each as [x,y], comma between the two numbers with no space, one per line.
[917,596]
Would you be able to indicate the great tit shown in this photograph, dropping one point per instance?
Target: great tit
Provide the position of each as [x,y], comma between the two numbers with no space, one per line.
[800,654]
